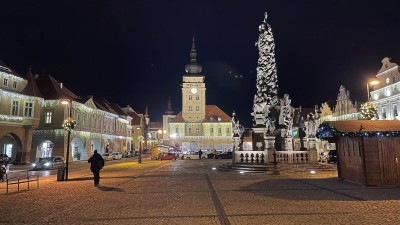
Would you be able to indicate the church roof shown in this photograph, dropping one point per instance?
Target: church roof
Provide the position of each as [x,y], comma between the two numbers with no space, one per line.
[213,112]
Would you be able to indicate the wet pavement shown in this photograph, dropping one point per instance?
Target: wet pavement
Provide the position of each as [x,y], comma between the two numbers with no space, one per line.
[192,192]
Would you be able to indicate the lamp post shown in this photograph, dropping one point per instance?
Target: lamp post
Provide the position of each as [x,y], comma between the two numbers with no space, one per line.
[140,139]
[372,83]
[68,125]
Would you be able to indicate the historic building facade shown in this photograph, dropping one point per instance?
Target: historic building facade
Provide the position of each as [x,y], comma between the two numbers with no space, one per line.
[100,125]
[20,108]
[198,126]
[386,95]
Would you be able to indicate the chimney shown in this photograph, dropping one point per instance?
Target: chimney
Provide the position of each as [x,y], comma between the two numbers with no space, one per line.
[61,85]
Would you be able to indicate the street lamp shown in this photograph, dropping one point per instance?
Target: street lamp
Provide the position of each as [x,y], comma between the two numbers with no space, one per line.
[372,83]
[68,125]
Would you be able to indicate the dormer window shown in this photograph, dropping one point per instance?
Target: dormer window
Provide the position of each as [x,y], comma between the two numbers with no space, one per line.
[211,118]
[14,85]
[387,80]
[219,119]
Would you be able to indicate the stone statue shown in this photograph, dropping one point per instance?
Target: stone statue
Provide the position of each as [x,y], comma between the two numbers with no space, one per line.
[311,125]
[302,133]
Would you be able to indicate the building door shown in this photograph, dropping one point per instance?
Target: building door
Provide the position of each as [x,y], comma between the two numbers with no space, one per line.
[389,155]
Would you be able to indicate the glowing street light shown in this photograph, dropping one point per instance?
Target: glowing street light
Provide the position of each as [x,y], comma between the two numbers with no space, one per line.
[372,83]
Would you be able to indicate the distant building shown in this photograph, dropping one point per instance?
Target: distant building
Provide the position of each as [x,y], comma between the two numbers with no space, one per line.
[386,95]
[199,126]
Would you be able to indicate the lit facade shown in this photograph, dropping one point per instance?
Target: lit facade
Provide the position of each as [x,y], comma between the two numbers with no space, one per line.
[386,95]
[19,114]
[199,126]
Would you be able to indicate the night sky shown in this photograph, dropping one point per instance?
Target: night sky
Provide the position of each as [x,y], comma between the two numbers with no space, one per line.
[134,52]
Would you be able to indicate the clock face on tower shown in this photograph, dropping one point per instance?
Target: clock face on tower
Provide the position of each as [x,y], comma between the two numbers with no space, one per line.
[193,90]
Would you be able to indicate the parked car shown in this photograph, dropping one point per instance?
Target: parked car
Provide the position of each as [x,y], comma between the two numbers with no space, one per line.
[224,155]
[107,157]
[193,155]
[332,156]
[167,156]
[48,163]
[116,155]
[4,159]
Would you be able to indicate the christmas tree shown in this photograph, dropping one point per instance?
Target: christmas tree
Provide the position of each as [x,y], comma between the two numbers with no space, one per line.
[368,111]
[267,79]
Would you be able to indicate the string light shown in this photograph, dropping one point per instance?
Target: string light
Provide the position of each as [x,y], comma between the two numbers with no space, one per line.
[326,130]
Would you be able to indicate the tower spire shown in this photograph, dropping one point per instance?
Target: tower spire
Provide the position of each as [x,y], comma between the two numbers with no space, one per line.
[193,67]
[169,110]
[193,53]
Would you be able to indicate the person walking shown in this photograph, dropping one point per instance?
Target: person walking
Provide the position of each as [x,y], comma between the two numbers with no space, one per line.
[96,164]
[200,153]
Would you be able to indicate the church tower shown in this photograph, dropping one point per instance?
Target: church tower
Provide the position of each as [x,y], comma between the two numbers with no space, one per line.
[193,90]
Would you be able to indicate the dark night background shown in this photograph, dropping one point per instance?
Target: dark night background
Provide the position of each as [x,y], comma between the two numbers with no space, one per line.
[134,52]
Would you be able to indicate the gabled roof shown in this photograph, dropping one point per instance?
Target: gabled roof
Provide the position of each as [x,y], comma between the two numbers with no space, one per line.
[155,125]
[5,68]
[212,111]
[118,109]
[136,118]
[52,89]
[32,88]
[104,105]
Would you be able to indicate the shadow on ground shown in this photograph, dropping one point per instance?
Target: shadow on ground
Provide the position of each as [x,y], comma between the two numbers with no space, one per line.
[114,189]
[320,190]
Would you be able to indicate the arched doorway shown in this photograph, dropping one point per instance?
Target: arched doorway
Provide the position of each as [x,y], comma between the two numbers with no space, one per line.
[45,149]
[11,145]
[78,151]
[95,145]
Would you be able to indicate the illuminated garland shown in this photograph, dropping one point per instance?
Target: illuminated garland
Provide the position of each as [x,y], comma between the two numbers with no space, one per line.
[69,124]
[326,130]
[368,111]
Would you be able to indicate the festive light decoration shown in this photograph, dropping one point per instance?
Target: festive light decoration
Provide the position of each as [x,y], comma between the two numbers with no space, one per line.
[69,124]
[368,111]
[326,130]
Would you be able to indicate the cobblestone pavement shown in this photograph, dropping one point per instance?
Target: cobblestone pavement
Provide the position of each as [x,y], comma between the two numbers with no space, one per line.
[191,192]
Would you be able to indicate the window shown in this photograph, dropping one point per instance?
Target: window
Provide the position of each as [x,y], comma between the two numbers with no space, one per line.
[219,119]
[197,108]
[5,82]
[197,130]
[197,97]
[14,85]
[211,130]
[190,108]
[189,130]
[395,113]
[28,109]
[383,113]
[227,130]
[15,108]
[219,130]
[177,131]
[190,97]
[48,116]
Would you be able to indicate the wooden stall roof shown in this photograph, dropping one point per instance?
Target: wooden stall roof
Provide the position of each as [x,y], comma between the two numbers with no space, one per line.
[362,126]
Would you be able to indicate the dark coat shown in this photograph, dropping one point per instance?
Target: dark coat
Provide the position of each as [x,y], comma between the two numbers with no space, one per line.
[95,162]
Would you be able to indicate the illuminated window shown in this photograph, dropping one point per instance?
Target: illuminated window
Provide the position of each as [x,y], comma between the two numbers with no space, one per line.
[48,117]
[387,80]
[197,108]
[14,85]
[5,82]
[197,97]
[28,112]
[219,119]
[15,108]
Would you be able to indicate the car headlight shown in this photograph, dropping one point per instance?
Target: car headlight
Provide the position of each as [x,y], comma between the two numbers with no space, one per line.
[33,164]
[47,164]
